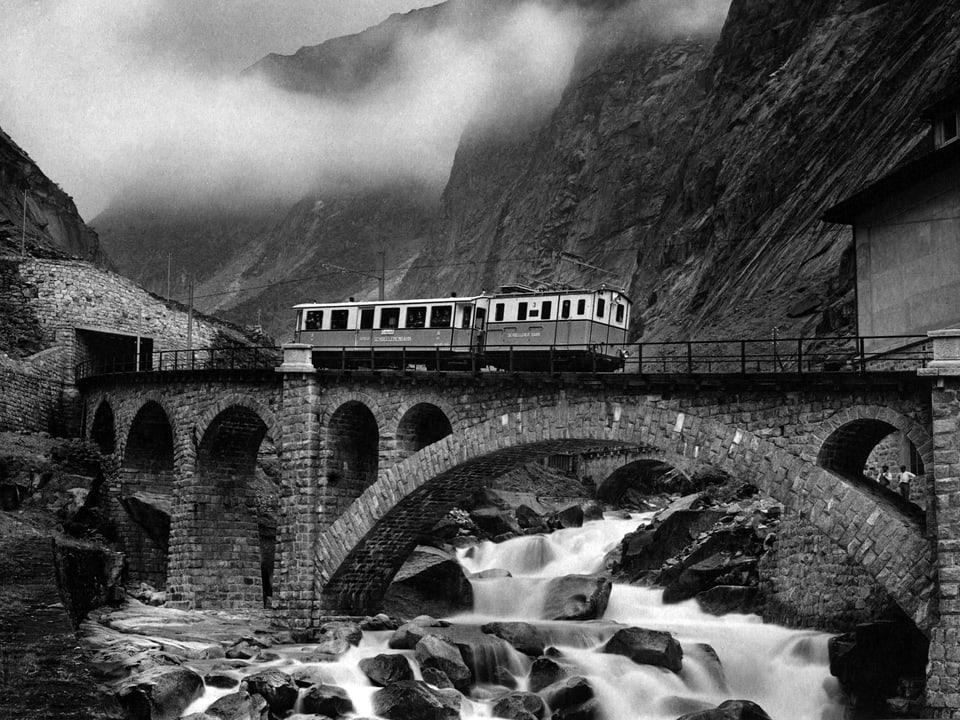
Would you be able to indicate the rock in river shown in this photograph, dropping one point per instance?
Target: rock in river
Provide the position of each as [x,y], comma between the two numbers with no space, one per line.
[647,647]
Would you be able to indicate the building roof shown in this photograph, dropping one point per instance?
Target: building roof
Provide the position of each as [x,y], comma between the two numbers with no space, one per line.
[901,178]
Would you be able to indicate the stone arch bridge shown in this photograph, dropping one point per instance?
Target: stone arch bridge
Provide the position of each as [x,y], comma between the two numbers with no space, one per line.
[361,464]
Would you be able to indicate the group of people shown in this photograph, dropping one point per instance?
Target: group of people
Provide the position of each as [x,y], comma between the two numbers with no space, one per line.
[885,478]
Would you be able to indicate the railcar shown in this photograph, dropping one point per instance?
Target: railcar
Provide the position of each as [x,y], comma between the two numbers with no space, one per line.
[516,328]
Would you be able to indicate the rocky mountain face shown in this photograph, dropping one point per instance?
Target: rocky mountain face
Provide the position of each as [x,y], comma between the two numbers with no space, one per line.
[692,169]
[53,226]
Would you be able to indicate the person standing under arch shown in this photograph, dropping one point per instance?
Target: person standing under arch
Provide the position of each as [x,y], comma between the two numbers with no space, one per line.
[906,477]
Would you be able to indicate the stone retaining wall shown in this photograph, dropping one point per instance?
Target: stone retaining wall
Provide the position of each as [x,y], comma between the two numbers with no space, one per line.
[30,395]
[808,581]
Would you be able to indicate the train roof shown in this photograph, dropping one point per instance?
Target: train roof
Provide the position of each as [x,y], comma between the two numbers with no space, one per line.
[505,291]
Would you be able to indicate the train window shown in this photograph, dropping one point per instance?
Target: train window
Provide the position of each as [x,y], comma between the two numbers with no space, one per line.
[581,306]
[545,309]
[466,313]
[534,312]
[481,316]
[389,318]
[498,312]
[339,319]
[565,309]
[601,307]
[440,316]
[416,316]
[314,320]
[366,318]
[620,311]
[521,311]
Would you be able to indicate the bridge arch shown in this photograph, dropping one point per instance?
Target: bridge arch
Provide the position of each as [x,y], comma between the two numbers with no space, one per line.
[146,479]
[103,429]
[420,424]
[357,555]
[351,461]
[640,474]
[224,519]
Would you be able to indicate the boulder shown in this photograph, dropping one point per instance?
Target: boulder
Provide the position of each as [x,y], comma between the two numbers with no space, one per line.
[88,575]
[647,647]
[159,694]
[522,636]
[592,510]
[730,710]
[568,517]
[384,669]
[239,706]
[381,621]
[527,517]
[437,678]
[519,706]
[495,522]
[567,692]
[277,688]
[436,652]
[485,655]
[309,675]
[408,635]
[219,680]
[545,671]
[723,599]
[431,580]
[648,548]
[577,597]
[328,700]
[724,567]
[587,710]
[414,700]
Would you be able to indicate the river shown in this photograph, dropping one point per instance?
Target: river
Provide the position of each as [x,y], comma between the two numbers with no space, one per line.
[784,671]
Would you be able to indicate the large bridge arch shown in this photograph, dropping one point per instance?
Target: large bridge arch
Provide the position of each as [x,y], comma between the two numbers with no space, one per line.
[359,553]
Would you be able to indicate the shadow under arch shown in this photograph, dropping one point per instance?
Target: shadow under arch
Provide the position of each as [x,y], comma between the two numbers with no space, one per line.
[643,475]
[421,425]
[146,480]
[103,430]
[353,453]
[226,564]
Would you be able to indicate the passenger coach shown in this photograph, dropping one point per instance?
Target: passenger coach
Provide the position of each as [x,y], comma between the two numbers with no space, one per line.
[515,329]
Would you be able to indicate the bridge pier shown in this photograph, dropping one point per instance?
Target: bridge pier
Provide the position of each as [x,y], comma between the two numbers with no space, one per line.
[943,668]
[301,501]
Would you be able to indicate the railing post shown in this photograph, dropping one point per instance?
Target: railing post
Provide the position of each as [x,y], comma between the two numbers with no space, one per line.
[863,359]
[799,355]
[510,360]
[551,361]
[639,358]
[403,360]
[437,358]
[743,357]
[689,358]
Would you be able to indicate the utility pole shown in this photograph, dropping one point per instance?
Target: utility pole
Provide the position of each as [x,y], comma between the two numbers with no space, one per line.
[383,273]
[23,230]
[168,274]
[190,317]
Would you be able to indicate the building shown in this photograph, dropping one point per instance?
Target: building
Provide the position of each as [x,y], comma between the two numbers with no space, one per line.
[906,229]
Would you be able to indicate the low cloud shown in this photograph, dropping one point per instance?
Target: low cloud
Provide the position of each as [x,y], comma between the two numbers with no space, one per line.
[111,100]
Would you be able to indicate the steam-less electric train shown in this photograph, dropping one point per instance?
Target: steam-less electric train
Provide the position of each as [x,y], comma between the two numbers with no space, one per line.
[515,329]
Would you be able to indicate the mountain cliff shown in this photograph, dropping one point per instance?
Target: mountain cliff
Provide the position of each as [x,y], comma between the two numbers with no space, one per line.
[53,226]
[691,167]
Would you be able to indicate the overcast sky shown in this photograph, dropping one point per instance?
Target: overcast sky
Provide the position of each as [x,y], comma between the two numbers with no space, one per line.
[62,61]
[144,97]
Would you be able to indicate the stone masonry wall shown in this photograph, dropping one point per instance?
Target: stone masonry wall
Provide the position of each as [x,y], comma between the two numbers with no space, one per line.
[29,395]
[810,582]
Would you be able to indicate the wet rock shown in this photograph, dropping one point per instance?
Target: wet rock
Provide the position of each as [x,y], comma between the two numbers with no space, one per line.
[159,694]
[384,669]
[433,651]
[569,517]
[151,511]
[546,671]
[238,706]
[219,680]
[247,648]
[648,548]
[408,635]
[432,581]
[492,573]
[577,597]
[567,693]
[378,622]
[307,676]
[646,647]
[327,700]
[592,510]
[414,700]
[527,517]
[276,687]
[435,677]
[723,599]
[519,706]
[720,568]
[495,522]
[730,710]
[522,636]
[710,661]
[587,710]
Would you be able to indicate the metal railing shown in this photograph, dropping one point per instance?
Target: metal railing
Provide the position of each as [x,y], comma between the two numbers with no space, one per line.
[890,353]
[227,358]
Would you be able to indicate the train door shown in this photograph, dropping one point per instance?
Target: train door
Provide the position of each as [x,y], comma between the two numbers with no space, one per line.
[564,313]
[365,326]
[480,323]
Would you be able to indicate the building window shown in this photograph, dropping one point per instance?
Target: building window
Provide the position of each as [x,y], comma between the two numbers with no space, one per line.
[545,310]
[339,319]
[441,316]
[314,320]
[389,318]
